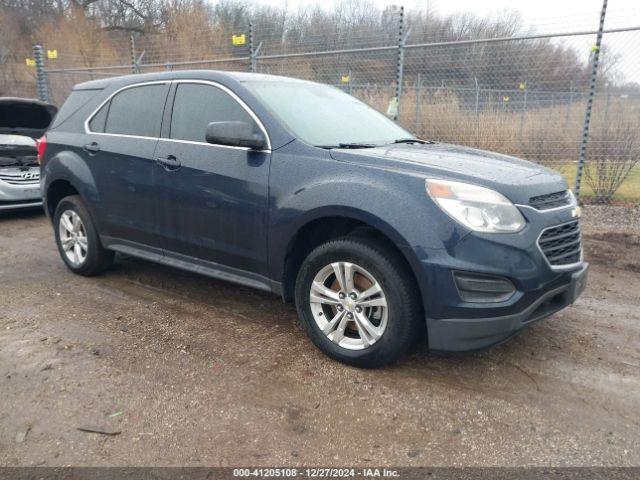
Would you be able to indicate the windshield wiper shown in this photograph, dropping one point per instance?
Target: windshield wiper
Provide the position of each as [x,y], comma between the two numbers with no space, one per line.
[372,145]
[411,140]
[349,145]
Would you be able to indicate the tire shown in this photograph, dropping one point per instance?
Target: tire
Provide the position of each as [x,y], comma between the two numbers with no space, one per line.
[370,260]
[93,258]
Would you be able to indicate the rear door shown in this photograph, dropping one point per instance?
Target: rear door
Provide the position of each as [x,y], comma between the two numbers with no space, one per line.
[215,197]
[122,137]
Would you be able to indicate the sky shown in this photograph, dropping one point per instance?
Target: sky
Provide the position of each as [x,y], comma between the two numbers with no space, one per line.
[531,9]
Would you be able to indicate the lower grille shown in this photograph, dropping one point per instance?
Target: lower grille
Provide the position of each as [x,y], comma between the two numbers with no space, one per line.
[562,245]
[473,287]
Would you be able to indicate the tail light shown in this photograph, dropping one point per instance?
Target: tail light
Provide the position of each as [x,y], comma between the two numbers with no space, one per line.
[41,146]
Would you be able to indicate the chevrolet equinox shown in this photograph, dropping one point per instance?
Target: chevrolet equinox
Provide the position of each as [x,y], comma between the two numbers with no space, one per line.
[296,188]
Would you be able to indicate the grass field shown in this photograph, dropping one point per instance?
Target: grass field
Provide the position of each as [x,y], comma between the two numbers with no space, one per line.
[548,135]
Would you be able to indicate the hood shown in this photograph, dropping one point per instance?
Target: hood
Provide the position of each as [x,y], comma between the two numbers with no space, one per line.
[515,178]
[25,116]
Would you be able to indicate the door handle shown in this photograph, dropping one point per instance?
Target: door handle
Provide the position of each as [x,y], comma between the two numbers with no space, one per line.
[91,148]
[170,162]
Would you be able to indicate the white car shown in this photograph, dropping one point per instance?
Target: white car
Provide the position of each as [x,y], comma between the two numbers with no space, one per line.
[22,121]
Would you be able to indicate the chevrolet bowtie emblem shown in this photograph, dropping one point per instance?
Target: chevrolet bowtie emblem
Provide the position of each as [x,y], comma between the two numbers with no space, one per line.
[576,212]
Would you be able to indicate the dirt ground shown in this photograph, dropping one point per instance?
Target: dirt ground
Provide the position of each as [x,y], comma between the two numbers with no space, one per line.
[198,372]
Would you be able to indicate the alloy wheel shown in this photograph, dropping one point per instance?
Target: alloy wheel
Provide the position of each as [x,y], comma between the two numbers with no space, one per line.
[348,305]
[73,237]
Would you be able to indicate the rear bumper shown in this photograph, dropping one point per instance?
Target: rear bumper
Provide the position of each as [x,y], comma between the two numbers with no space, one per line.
[469,334]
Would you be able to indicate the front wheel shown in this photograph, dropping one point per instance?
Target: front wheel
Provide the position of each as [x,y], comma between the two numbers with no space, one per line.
[77,238]
[357,301]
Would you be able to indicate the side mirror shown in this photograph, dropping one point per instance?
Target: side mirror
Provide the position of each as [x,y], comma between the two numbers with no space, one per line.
[235,134]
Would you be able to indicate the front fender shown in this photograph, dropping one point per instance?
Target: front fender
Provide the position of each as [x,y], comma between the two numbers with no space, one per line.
[305,188]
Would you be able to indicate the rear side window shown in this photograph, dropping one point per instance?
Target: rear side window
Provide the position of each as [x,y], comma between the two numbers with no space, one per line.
[136,111]
[196,105]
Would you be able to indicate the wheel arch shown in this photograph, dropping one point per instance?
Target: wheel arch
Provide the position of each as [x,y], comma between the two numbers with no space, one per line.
[327,224]
[56,191]
[67,173]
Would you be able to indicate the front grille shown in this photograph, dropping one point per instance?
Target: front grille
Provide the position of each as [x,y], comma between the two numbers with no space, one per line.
[562,244]
[17,177]
[551,200]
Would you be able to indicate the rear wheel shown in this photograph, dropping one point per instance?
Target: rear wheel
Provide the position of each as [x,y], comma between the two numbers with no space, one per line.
[358,302]
[77,238]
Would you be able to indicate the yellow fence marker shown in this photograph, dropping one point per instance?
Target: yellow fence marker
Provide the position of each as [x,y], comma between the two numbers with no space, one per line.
[345,79]
[239,39]
[52,54]
[30,62]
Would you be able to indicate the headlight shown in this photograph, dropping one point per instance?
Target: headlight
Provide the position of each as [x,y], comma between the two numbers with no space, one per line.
[477,208]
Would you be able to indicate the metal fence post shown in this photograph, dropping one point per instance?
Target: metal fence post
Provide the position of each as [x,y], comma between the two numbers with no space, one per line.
[592,91]
[400,63]
[132,47]
[477,102]
[41,75]
[477,112]
[252,58]
[523,113]
[418,103]
[253,51]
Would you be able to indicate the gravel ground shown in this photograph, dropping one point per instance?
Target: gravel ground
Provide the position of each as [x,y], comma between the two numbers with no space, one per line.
[611,218]
[193,371]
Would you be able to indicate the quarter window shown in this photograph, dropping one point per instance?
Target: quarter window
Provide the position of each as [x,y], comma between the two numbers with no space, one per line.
[137,111]
[97,122]
[196,105]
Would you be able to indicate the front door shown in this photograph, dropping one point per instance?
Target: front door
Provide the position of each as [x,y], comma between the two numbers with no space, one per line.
[215,197]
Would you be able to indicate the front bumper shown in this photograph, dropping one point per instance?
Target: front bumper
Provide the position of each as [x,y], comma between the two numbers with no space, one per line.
[20,205]
[469,334]
[456,323]
[15,196]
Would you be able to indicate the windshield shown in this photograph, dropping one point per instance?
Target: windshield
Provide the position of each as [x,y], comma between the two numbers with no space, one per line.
[324,116]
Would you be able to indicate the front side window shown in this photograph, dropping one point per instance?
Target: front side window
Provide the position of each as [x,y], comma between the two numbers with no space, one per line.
[136,111]
[196,105]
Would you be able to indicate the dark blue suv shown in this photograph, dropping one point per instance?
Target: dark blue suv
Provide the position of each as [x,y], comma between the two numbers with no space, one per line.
[299,189]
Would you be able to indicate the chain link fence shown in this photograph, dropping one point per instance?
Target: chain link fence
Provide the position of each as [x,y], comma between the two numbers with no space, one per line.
[523,95]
